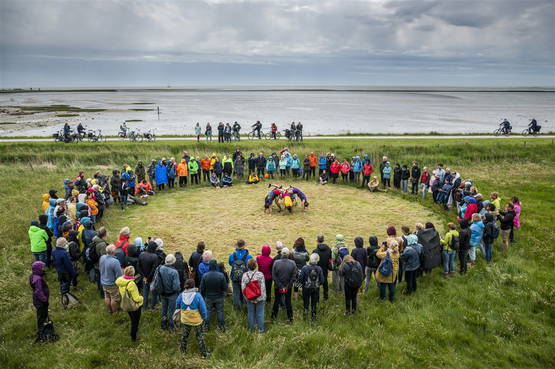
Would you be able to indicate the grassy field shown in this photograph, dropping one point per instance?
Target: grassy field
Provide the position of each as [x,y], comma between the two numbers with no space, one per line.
[497,316]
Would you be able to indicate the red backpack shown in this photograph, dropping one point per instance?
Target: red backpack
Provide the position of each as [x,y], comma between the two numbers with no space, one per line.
[252,289]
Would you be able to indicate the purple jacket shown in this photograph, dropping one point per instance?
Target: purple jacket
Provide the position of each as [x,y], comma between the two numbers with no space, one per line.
[38,284]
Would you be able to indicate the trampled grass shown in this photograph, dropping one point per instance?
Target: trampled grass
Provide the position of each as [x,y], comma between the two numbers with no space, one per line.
[497,316]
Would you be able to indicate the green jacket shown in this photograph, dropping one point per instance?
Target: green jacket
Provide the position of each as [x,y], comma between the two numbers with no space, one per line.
[38,238]
[193,166]
[446,242]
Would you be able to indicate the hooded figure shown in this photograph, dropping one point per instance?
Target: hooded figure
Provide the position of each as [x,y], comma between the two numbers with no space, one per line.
[140,171]
[50,213]
[45,202]
[359,253]
[161,174]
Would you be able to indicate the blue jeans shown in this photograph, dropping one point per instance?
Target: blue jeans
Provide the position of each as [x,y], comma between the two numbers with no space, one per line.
[448,258]
[40,256]
[146,291]
[390,286]
[255,312]
[218,305]
[488,251]
[424,190]
[405,185]
[168,307]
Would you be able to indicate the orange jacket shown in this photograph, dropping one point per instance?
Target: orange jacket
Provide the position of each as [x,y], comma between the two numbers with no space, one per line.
[93,206]
[212,161]
[205,164]
[146,186]
[313,160]
[182,169]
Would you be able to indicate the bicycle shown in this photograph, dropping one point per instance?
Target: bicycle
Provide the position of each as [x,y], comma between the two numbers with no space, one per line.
[97,136]
[269,135]
[149,135]
[502,131]
[254,135]
[136,136]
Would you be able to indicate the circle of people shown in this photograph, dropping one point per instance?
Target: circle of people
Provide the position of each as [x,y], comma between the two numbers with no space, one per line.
[134,276]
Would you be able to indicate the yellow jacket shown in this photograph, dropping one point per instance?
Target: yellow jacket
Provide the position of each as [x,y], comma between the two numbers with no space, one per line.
[394,256]
[446,242]
[45,202]
[129,284]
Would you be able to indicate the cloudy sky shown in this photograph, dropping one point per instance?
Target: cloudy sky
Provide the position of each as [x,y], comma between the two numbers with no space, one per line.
[106,43]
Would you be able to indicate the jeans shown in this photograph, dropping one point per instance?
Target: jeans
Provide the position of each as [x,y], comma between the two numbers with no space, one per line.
[146,291]
[40,256]
[325,285]
[255,311]
[168,307]
[424,190]
[488,251]
[414,187]
[206,175]
[237,295]
[448,258]
[135,317]
[284,300]
[199,331]
[410,277]
[98,284]
[268,283]
[405,185]
[65,282]
[350,298]
[369,273]
[391,287]
[311,297]
[215,304]
[472,253]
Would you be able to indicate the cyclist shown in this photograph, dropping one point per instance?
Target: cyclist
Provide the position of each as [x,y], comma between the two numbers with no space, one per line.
[256,128]
[80,129]
[506,126]
[533,126]
[123,129]
[236,130]
[274,131]
[67,131]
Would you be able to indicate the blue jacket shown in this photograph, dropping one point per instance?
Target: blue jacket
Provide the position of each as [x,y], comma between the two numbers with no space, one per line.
[170,280]
[239,254]
[357,166]
[171,170]
[386,172]
[202,269]
[323,162]
[476,233]
[50,213]
[110,270]
[197,303]
[160,174]
[62,263]
[270,166]
[411,257]
[295,164]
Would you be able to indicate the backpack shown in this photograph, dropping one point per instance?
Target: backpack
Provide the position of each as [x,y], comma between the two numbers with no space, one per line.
[454,243]
[354,277]
[494,231]
[75,252]
[252,289]
[312,281]
[239,268]
[386,267]
[341,253]
[157,285]
[127,302]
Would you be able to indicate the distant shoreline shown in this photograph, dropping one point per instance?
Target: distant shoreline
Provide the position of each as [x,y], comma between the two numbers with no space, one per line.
[284,89]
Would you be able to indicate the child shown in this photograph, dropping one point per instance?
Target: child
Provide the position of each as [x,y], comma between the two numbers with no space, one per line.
[227,181]
[40,301]
[214,180]
[253,179]
[193,315]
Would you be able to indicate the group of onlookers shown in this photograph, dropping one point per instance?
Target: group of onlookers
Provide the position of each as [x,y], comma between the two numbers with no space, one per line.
[134,275]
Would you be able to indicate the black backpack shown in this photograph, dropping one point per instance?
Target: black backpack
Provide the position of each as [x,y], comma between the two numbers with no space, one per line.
[354,276]
[494,231]
[454,243]
[239,268]
[312,281]
[74,251]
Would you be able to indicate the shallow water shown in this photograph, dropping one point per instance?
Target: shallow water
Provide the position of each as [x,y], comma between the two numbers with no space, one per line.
[321,112]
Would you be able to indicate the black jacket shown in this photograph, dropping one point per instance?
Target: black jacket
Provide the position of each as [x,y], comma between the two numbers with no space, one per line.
[324,252]
[148,261]
[506,219]
[252,163]
[213,283]
[261,162]
[360,254]
[415,174]
[284,272]
[464,239]
[373,261]
[405,174]
[182,269]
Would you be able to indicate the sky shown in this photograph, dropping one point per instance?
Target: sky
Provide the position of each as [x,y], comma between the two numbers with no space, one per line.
[118,43]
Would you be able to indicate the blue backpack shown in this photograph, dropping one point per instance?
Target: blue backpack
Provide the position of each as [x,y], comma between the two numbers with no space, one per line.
[386,267]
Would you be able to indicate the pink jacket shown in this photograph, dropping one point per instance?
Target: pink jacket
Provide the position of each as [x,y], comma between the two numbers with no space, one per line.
[265,262]
[516,220]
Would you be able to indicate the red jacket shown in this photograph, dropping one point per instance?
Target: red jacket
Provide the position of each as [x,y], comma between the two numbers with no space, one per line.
[123,242]
[345,167]
[313,160]
[367,169]
[265,262]
[470,209]
[335,167]
[425,178]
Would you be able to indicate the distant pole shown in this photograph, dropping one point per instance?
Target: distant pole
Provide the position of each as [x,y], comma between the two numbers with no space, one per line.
[158,108]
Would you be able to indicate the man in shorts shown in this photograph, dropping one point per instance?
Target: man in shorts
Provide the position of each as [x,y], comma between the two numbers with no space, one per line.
[110,270]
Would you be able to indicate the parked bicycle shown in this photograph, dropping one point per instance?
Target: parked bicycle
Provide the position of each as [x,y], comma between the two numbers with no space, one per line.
[96,136]
[149,135]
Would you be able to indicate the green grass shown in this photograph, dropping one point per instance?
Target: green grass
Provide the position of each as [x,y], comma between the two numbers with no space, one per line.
[497,316]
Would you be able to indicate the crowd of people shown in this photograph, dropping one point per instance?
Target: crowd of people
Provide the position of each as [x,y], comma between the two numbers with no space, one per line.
[228,132]
[133,275]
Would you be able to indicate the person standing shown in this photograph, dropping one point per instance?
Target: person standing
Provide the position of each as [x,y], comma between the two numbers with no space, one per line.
[324,261]
[64,267]
[351,271]
[255,304]
[213,288]
[411,261]
[198,131]
[193,313]
[238,262]
[148,262]
[208,131]
[464,244]
[128,288]
[284,272]
[170,284]
[476,235]
[38,238]
[506,222]
[424,182]
[183,172]
[373,261]
[221,129]
[450,244]
[110,270]
[311,278]
[265,262]
[386,275]
[359,253]
[414,178]
[194,261]
[38,284]
[490,234]
[339,251]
